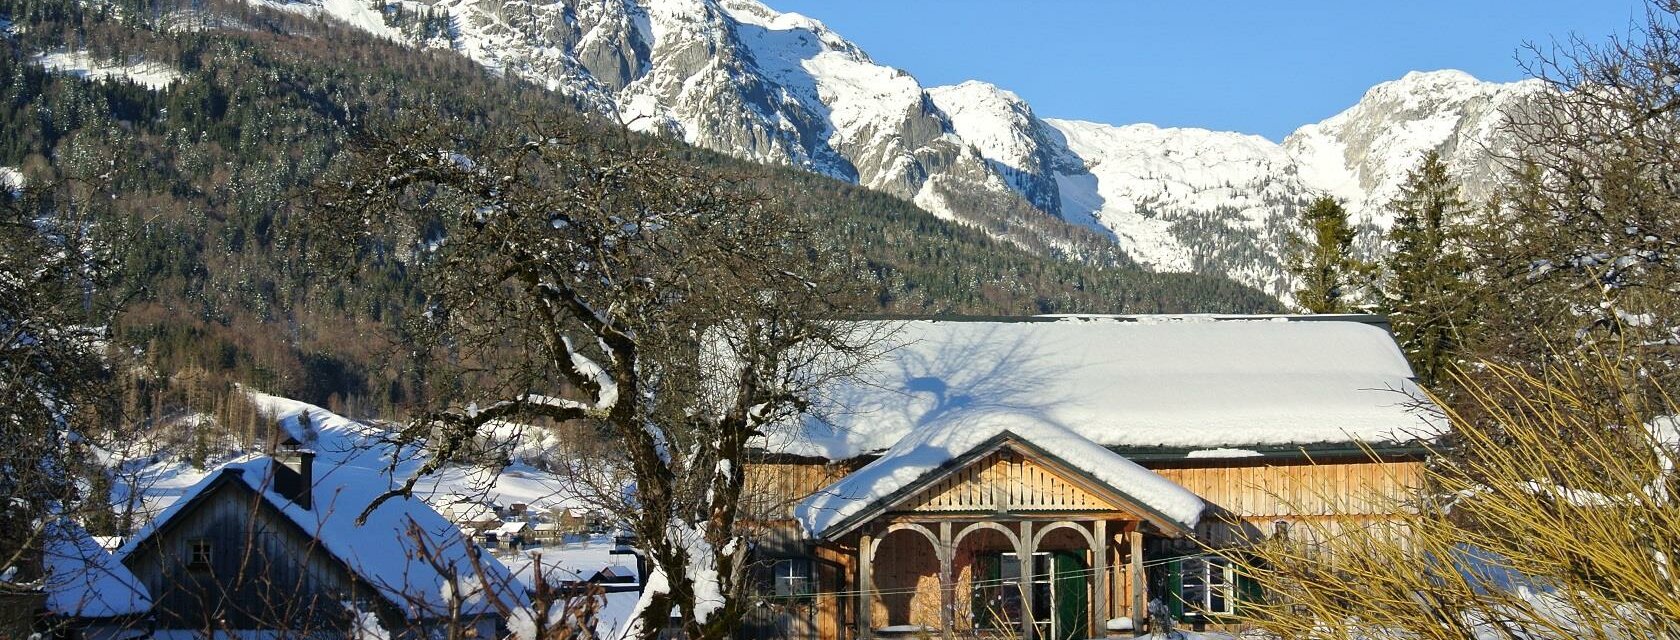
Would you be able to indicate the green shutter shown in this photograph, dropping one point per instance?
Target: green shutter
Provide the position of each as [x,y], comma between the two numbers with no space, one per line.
[1174,596]
[1248,588]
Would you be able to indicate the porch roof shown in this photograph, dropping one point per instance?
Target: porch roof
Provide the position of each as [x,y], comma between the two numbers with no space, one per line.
[929,454]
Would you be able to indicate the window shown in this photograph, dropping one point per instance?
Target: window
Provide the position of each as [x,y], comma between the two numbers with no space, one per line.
[198,553]
[1208,585]
[997,590]
[793,578]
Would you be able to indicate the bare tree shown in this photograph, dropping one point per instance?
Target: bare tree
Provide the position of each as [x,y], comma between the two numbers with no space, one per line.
[1581,248]
[571,276]
[54,260]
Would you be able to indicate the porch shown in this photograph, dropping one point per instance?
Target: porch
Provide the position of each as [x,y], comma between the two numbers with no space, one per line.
[956,576]
[1007,536]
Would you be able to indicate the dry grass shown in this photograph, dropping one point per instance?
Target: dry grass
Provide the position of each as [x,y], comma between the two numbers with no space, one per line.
[1551,515]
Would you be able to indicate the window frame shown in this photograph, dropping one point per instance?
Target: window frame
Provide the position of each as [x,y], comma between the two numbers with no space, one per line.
[793,579]
[1205,568]
[200,553]
[1001,598]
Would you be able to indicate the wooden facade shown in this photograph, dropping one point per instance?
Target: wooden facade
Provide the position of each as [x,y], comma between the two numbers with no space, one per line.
[913,565]
[230,560]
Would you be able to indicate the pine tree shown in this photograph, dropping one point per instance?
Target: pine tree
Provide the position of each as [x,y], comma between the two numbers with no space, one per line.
[1321,258]
[1424,282]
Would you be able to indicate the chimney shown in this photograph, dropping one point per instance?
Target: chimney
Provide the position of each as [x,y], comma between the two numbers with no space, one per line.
[293,465]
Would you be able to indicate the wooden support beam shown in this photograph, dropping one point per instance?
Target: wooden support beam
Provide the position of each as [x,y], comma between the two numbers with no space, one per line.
[866,585]
[1140,613]
[947,582]
[1101,571]
[1024,557]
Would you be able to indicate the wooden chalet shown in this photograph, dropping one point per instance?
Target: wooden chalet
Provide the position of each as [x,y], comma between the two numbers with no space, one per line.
[272,544]
[1051,476]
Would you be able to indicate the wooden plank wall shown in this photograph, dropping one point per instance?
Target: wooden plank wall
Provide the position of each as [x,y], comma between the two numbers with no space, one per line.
[1304,490]
[907,577]
[772,489]
[266,565]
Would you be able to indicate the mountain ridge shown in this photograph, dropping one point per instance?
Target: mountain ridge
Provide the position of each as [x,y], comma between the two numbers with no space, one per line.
[739,77]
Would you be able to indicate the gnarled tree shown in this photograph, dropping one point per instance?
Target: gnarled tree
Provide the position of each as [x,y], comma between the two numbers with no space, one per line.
[571,276]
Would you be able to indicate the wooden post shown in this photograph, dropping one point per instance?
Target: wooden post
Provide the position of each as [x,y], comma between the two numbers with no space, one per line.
[866,585]
[1024,557]
[1100,571]
[947,582]
[1140,612]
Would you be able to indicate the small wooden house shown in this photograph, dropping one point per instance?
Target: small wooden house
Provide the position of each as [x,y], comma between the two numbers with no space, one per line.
[273,544]
[1050,476]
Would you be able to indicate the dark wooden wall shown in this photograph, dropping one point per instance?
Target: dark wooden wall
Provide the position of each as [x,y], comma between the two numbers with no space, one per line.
[264,573]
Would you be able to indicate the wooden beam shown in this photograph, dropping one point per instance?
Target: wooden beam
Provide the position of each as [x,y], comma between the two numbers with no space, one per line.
[974,516]
[866,585]
[1024,558]
[1139,612]
[1100,570]
[947,582]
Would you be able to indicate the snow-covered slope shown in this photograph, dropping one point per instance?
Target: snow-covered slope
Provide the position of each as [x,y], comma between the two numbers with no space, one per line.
[1183,199]
[150,75]
[739,77]
[1207,201]
[1362,154]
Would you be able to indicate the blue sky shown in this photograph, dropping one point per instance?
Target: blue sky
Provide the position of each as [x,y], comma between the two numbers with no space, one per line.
[1263,67]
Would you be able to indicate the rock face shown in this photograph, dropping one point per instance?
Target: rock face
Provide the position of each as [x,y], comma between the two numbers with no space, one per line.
[1362,154]
[738,77]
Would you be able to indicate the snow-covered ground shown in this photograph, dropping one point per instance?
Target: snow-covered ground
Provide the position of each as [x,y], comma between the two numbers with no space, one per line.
[11,180]
[151,75]
[577,561]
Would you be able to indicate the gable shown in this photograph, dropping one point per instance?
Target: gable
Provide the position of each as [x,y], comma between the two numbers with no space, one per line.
[1005,480]
[257,556]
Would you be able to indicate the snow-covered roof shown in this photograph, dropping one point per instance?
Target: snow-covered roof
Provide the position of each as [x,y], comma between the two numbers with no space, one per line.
[351,469]
[924,452]
[83,580]
[1192,382]
[512,528]
[569,563]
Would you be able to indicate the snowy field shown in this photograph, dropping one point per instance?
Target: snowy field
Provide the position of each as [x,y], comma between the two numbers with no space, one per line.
[151,75]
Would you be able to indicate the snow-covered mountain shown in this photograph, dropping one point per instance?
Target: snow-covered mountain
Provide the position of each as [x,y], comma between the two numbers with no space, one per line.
[1362,154]
[741,78]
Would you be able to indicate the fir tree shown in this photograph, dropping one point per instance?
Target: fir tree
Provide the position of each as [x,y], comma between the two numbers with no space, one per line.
[1320,256]
[1424,283]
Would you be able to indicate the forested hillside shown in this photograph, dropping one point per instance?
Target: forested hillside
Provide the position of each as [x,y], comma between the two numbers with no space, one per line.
[195,131]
